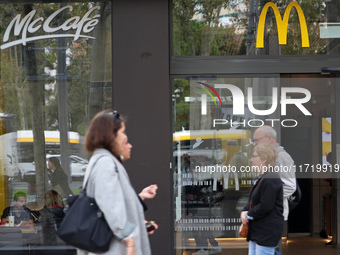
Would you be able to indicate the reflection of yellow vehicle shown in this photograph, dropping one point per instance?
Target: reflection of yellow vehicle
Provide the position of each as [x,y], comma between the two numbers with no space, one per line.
[212,144]
[326,139]
[196,189]
[17,155]
[211,134]
[229,147]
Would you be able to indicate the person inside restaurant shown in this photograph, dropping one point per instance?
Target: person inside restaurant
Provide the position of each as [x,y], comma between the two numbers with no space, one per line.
[22,215]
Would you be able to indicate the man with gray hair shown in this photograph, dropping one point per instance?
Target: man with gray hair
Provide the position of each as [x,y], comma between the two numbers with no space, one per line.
[267,135]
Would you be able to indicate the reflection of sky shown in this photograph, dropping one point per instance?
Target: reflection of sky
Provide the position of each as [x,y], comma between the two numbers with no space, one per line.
[226,21]
[226,14]
[223,20]
[53,72]
[50,72]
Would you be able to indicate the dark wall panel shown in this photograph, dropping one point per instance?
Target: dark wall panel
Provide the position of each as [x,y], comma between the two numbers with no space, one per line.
[252,64]
[141,91]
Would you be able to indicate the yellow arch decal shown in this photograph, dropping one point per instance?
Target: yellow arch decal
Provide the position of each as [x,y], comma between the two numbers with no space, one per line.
[282,24]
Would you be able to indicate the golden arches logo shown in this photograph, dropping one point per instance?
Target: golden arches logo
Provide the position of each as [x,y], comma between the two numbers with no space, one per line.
[282,24]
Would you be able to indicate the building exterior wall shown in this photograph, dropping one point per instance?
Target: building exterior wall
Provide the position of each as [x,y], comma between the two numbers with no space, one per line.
[138,67]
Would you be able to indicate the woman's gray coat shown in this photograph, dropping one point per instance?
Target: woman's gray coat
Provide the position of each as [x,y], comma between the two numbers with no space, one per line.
[110,185]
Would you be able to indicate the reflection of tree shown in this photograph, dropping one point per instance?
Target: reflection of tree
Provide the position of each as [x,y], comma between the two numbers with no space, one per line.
[101,75]
[13,73]
[78,73]
[228,42]
[197,29]
[210,11]
[77,87]
[333,15]
[197,32]
[35,94]
[78,70]
[314,14]
[15,87]
[182,108]
[28,79]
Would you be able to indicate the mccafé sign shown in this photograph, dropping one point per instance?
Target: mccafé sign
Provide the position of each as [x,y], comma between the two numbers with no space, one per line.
[29,25]
[282,24]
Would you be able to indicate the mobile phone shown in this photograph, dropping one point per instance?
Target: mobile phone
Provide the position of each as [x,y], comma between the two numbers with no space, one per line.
[149,226]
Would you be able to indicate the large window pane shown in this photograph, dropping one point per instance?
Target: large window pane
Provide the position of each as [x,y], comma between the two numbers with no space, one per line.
[226,28]
[56,73]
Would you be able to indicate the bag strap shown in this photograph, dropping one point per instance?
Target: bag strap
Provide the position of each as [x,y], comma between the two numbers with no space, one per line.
[89,168]
[254,191]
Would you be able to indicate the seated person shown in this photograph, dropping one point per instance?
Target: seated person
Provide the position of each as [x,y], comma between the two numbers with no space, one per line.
[20,212]
[51,216]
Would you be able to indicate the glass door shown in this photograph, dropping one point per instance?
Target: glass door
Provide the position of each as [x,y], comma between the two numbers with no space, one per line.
[213,122]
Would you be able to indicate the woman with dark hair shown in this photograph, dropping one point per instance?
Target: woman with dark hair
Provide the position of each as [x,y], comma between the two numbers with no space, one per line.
[108,183]
[59,179]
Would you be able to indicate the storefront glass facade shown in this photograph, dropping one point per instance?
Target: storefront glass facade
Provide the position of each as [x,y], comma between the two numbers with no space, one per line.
[216,111]
[56,73]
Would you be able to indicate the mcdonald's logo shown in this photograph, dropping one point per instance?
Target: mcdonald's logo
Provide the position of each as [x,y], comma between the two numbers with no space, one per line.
[282,24]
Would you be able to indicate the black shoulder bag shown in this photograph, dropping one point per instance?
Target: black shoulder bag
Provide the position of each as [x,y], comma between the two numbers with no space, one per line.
[84,225]
[295,198]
